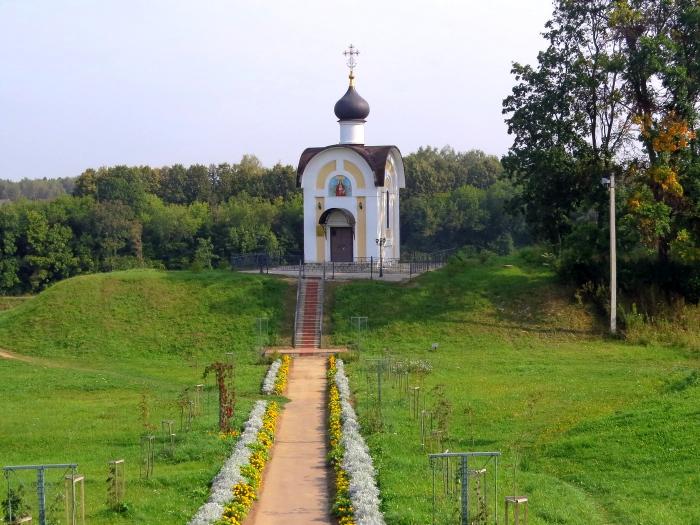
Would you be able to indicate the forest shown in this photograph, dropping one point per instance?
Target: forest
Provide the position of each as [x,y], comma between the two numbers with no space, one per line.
[615,94]
[197,217]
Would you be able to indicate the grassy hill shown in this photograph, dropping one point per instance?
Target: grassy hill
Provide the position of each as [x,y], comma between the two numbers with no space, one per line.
[102,359]
[600,431]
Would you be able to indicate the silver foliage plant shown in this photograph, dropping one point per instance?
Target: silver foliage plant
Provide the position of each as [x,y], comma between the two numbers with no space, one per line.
[357,462]
[230,473]
[269,381]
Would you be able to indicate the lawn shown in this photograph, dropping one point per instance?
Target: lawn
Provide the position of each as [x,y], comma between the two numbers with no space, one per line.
[106,358]
[593,430]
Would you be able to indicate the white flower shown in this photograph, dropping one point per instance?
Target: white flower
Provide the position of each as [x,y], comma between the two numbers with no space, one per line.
[269,382]
[230,473]
[357,462]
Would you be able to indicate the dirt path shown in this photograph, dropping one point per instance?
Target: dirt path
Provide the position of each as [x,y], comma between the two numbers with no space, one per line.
[38,361]
[5,354]
[295,486]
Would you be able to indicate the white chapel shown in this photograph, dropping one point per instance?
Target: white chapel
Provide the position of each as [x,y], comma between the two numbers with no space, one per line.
[351,190]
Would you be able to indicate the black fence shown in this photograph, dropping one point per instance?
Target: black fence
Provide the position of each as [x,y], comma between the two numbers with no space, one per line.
[267,260]
[410,264]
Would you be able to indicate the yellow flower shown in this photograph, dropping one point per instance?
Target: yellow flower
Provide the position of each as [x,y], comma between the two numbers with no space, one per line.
[342,509]
[244,493]
[282,373]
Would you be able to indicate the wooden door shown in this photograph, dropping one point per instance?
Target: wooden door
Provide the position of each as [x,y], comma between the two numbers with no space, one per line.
[341,245]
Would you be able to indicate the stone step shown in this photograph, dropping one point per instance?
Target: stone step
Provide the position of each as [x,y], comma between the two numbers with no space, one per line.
[306,331]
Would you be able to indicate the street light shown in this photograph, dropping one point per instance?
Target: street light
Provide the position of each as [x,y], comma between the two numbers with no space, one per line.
[381,242]
[610,183]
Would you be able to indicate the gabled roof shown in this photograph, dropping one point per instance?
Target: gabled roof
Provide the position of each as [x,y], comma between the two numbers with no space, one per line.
[375,156]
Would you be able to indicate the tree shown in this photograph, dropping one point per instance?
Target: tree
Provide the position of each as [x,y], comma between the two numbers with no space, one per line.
[203,255]
[9,257]
[244,225]
[48,255]
[170,231]
[616,90]
[227,392]
[449,201]
[117,231]
[661,44]
[567,119]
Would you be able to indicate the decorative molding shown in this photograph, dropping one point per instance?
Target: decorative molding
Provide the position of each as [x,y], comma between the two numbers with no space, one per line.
[353,170]
[327,169]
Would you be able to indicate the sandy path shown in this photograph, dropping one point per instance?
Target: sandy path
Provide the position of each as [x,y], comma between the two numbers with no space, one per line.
[4,354]
[295,486]
[45,363]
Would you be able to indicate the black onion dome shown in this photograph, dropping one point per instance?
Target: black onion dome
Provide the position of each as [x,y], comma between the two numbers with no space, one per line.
[352,106]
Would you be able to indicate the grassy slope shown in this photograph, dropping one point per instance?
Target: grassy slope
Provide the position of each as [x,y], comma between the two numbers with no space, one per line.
[7,302]
[606,432]
[98,343]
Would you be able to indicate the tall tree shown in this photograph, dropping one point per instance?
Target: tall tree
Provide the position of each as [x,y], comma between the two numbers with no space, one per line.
[567,118]
[616,90]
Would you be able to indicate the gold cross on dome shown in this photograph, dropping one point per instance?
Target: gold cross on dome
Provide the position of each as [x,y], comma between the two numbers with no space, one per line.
[350,53]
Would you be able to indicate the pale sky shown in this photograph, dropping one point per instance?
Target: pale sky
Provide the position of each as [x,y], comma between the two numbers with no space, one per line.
[89,83]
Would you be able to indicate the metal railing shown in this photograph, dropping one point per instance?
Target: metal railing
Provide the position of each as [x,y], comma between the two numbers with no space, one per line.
[321,298]
[412,264]
[296,308]
[263,261]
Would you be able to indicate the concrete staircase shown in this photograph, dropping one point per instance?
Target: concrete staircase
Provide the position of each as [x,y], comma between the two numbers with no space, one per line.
[309,314]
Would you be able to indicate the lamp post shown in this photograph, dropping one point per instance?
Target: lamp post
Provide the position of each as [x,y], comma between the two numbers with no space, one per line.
[381,242]
[613,255]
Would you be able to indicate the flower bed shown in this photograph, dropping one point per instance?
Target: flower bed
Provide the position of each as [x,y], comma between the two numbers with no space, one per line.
[357,495]
[282,375]
[342,508]
[234,488]
[270,378]
[245,491]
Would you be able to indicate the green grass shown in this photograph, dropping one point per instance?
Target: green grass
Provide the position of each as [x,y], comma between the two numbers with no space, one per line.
[94,345]
[601,431]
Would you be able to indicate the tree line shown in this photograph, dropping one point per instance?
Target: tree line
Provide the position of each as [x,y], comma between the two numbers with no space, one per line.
[35,189]
[453,199]
[179,217]
[616,93]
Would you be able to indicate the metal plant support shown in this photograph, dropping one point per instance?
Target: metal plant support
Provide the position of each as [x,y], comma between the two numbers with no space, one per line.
[359,325]
[516,502]
[117,483]
[375,369]
[168,434]
[414,399]
[74,484]
[186,412]
[261,332]
[148,456]
[40,486]
[457,478]
[198,391]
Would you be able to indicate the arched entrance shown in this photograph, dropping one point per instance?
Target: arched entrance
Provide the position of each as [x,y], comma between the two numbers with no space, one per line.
[339,225]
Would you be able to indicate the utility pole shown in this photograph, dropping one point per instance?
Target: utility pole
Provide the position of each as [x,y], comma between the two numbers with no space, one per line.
[613,259]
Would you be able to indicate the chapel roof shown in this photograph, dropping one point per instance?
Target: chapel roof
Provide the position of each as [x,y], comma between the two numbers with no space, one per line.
[375,156]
